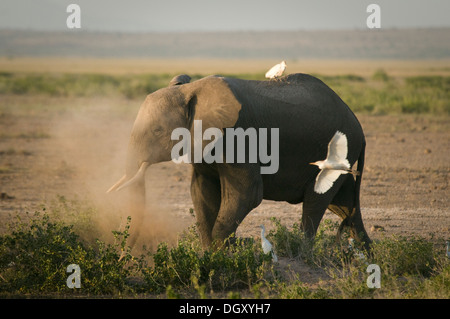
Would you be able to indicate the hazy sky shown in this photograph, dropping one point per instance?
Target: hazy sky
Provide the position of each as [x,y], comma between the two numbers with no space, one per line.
[224,15]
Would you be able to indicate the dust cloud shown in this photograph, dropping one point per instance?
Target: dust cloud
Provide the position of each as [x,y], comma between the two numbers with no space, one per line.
[93,140]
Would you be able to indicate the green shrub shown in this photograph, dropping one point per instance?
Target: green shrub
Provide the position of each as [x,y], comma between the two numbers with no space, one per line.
[186,265]
[288,243]
[296,289]
[34,257]
[293,243]
[429,81]
[380,75]
[381,94]
[437,286]
[401,256]
[35,253]
[410,267]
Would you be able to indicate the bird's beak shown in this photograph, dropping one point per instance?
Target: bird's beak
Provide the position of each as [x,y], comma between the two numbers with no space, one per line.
[314,163]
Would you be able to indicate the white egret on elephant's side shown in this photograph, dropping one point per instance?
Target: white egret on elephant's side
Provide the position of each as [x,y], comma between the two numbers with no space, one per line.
[334,165]
[276,70]
[266,245]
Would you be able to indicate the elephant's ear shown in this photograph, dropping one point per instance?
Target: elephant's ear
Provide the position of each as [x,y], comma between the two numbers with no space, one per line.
[211,100]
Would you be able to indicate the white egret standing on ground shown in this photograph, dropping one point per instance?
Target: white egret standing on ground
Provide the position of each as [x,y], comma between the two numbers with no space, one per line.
[356,252]
[448,248]
[266,245]
[276,70]
[334,165]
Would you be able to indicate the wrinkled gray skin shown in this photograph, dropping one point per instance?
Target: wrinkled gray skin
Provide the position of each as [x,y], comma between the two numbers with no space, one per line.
[307,113]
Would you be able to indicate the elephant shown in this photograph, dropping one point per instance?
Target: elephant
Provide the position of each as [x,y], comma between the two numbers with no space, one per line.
[306,113]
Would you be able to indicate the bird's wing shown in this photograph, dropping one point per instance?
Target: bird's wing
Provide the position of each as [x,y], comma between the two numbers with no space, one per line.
[337,148]
[325,180]
[280,69]
[273,71]
[266,246]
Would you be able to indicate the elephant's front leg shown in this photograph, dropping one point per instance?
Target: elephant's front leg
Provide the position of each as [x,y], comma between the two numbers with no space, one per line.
[205,193]
[241,191]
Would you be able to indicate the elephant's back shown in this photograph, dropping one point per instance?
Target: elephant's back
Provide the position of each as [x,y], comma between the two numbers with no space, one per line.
[299,89]
[307,114]
[298,100]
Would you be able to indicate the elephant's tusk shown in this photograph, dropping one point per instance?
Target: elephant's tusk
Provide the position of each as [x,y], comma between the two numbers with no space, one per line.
[139,176]
[116,185]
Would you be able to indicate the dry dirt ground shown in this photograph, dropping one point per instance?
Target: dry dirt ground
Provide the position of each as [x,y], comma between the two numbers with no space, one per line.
[80,154]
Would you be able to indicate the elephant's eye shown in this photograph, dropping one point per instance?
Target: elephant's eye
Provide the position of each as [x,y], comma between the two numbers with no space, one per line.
[157,130]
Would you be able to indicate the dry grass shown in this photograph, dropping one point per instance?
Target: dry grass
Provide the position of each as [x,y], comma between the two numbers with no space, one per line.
[363,68]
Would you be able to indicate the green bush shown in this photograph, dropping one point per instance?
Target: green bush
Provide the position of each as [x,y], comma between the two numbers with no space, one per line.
[436,286]
[410,267]
[429,81]
[35,253]
[186,265]
[34,256]
[379,94]
[401,256]
[324,250]
[288,243]
[299,290]
[380,75]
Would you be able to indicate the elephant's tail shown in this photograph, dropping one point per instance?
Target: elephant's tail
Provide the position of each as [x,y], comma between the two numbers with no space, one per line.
[360,168]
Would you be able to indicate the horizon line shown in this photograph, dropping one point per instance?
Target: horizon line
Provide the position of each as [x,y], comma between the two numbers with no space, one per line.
[86,30]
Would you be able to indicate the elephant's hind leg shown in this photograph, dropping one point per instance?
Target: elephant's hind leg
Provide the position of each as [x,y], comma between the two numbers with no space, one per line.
[313,211]
[314,207]
[345,204]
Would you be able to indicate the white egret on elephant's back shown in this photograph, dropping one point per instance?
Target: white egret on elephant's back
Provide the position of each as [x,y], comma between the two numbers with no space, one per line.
[276,70]
[334,165]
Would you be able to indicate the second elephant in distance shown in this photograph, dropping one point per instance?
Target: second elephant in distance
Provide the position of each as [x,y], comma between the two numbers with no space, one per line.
[306,112]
